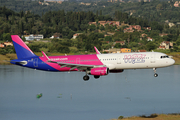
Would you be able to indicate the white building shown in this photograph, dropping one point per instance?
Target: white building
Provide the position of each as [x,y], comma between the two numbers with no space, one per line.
[149,39]
[171,25]
[33,37]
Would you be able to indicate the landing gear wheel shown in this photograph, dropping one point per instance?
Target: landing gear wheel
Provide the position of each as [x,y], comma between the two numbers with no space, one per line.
[155,75]
[86,78]
[96,76]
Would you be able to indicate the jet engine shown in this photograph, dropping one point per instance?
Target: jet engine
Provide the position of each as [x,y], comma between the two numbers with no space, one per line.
[100,71]
[116,71]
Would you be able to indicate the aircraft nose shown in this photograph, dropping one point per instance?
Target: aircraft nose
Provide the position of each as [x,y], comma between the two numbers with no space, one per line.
[172,61]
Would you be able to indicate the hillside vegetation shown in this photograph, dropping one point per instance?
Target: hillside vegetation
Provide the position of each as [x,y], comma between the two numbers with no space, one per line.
[66,23]
[70,23]
[155,10]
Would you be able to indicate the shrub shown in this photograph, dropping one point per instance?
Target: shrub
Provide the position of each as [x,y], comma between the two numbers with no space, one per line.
[120,117]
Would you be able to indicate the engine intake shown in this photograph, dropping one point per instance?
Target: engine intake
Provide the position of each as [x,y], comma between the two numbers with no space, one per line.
[100,71]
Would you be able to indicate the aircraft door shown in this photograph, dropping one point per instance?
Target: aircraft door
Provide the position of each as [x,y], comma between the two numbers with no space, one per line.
[35,62]
[152,59]
[119,60]
[77,60]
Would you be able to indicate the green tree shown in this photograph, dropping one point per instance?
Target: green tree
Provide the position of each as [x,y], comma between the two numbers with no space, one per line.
[3,51]
[159,6]
[92,27]
[102,27]
[100,12]
[7,37]
[23,38]
[150,46]
[117,45]
[178,42]
[21,27]
[108,38]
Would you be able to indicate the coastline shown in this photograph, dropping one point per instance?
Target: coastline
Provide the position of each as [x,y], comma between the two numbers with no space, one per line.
[173,116]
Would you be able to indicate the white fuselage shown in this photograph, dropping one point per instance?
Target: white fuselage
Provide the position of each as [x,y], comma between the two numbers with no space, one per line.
[140,60]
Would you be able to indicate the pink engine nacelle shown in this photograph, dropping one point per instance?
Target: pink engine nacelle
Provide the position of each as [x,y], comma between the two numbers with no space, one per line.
[100,71]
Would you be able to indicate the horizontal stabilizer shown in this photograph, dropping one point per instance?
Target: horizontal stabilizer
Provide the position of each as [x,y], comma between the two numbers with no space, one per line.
[22,62]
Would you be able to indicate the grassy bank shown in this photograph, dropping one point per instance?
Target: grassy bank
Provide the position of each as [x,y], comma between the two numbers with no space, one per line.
[5,58]
[176,57]
[153,117]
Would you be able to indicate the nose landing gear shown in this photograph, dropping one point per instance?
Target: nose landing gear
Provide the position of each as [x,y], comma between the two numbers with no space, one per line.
[155,74]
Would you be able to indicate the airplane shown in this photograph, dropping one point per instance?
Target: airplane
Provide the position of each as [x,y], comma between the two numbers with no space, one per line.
[92,64]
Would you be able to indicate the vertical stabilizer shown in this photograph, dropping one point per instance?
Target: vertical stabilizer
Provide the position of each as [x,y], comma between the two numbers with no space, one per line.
[22,50]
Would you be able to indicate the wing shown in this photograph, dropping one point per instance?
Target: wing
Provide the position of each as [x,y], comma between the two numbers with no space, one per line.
[73,66]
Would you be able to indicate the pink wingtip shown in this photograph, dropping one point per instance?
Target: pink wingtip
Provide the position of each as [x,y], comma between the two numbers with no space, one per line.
[97,51]
[45,55]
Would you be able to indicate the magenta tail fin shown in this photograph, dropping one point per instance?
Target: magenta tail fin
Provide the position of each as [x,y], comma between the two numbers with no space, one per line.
[22,50]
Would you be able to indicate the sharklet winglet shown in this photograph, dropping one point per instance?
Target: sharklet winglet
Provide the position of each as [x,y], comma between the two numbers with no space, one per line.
[45,56]
[97,51]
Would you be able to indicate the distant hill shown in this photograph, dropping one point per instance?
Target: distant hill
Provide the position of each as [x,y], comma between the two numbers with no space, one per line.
[153,11]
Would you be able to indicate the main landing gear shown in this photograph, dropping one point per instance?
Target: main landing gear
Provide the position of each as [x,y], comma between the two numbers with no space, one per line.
[155,74]
[86,78]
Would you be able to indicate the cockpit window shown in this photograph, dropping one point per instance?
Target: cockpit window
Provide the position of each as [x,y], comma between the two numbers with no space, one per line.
[165,56]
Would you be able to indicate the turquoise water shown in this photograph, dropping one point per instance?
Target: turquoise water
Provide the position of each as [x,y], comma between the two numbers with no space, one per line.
[66,96]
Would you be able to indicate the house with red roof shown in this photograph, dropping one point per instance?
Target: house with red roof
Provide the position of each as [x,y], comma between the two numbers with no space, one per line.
[131,28]
[121,42]
[141,50]
[2,45]
[166,45]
